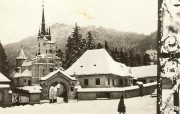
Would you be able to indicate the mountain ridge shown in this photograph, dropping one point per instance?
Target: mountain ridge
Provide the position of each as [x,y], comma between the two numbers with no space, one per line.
[60,33]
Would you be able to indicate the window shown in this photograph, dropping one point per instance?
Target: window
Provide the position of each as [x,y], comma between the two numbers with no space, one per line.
[108,81]
[125,80]
[86,83]
[121,82]
[151,80]
[50,61]
[50,50]
[50,69]
[97,81]
[43,71]
[72,88]
[29,82]
[113,82]
[24,80]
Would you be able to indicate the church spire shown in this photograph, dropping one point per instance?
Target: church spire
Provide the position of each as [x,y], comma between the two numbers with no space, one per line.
[43,28]
[21,54]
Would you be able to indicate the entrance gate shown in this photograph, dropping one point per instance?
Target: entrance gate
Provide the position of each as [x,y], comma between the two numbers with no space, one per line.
[49,82]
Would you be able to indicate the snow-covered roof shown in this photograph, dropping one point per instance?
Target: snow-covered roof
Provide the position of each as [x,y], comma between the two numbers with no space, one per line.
[3,78]
[144,71]
[26,73]
[55,72]
[4,85]
[149,84]
[106,89]
[97,61]
[17,75]
[21,55]
[25,63]
[50,42]
[31,89]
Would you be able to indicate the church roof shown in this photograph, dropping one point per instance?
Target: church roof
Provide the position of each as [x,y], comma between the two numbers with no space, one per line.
[97,61]
[26,73]
[144,71]
[17,75]
[55,72]
[21,55]
[3,78]
[25,63]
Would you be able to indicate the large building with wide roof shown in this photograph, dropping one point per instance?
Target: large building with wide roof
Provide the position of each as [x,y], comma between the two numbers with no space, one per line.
[96,69]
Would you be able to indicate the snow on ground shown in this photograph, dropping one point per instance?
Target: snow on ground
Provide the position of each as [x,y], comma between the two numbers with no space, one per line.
[136,105]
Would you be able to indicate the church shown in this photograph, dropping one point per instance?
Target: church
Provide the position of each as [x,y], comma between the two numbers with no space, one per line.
[45,61]
[31,75]
[39,78]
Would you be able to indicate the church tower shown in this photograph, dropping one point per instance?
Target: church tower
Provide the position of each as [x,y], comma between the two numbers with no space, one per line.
[45,45]
[46,60]
[21,58]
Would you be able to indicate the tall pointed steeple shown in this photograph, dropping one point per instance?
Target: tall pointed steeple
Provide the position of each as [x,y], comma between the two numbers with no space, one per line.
[43,28]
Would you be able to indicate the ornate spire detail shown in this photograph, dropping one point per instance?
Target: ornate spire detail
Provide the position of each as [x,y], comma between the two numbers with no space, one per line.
[43,28]
[49,33]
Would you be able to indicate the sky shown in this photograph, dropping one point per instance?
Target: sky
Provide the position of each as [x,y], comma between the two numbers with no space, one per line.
[22,18]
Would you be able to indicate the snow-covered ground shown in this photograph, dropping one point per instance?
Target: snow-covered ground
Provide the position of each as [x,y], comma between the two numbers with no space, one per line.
[137,105]
[165,94]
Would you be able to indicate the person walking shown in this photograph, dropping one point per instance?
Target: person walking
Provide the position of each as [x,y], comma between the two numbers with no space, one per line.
[121,106]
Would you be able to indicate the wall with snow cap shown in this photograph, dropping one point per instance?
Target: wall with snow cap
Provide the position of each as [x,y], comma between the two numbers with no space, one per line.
[115,93]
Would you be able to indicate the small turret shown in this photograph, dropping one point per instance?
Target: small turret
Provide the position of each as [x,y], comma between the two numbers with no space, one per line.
[21,58]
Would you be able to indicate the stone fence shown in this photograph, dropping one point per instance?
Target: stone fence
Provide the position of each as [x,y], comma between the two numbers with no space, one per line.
[116,93]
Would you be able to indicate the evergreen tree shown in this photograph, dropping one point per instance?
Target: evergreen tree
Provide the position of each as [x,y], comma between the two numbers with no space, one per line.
[115,54]
[99,46]
[75,47]
[90,41]
[3,61]
[146,59]
[126,59]
[132,61]
[84,45]
[122,58]
[60,54]
[106,45]
[68,52]
[138,59]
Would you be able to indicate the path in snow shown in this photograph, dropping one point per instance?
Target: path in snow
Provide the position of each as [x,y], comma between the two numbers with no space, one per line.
[137,105]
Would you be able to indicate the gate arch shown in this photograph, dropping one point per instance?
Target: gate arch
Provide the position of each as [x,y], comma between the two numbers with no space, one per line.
[57,77]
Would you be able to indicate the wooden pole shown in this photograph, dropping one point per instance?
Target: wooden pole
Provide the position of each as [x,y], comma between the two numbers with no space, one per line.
[176,96]
[159,79]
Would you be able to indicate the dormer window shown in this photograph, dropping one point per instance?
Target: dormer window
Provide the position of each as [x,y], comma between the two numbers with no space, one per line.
[81,66]
[94,64]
